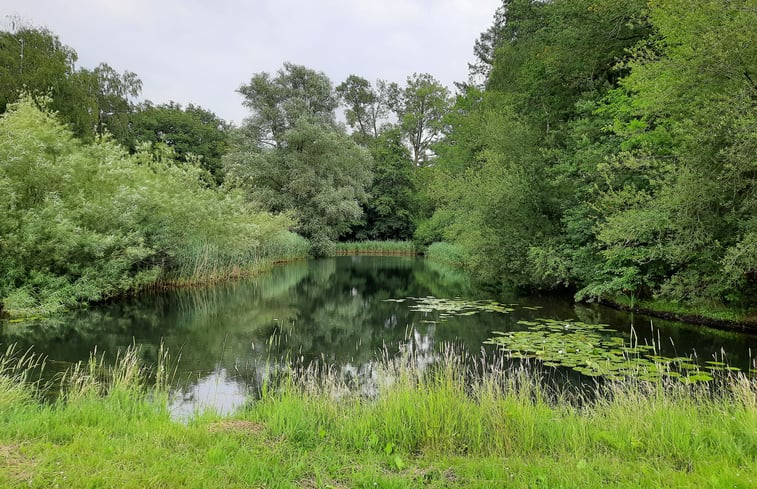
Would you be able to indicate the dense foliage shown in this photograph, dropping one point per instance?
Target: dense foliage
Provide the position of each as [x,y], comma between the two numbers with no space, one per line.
[93,102]
[601,146]
[191,131]
[611,150]
[82,222]
[291,157]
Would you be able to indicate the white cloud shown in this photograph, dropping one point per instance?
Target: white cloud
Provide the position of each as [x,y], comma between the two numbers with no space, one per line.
[200,52]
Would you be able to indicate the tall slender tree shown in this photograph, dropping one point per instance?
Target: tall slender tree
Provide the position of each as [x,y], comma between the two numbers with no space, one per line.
[420,107]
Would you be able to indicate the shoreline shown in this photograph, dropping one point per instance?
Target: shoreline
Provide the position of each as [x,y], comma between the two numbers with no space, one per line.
[740,326]
[237,273]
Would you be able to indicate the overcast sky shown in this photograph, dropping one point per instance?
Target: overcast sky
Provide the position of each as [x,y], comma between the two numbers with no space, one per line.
[201,51]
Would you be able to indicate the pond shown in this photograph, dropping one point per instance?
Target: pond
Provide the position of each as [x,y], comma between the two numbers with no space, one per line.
[346,311]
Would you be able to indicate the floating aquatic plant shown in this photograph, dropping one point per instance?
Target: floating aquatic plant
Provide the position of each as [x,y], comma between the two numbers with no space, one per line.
[592,350]
[447,308]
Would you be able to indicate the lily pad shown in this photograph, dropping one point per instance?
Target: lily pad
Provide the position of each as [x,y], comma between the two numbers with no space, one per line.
[593,350]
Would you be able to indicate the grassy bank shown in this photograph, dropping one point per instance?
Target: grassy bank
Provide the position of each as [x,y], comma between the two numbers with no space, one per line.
[375,248]
[431,429]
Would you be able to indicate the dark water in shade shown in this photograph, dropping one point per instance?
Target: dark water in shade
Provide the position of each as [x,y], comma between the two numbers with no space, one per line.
[333,310]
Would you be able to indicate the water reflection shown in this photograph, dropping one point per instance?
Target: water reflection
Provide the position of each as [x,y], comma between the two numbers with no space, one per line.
[219,391]
[333,310]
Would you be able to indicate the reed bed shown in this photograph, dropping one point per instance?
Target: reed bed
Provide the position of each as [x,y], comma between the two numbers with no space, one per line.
[375,248]
[206,262]
[447,253]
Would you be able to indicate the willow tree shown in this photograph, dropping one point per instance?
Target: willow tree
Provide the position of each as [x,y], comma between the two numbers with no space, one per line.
[290,156]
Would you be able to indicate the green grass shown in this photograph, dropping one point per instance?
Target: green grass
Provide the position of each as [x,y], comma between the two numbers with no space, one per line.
[421,429]
[207,262]
[447,253]
[375,248]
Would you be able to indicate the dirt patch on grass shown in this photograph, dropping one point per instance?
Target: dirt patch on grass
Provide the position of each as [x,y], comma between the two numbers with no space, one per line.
[310,483]
[236,426]
[14,465]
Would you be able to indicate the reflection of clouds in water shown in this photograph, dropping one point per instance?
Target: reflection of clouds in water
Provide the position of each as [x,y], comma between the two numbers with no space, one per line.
[217,391]
[417,350]
[226,392]
[391,321]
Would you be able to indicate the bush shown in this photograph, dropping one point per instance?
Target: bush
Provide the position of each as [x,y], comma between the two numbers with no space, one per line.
[81,223]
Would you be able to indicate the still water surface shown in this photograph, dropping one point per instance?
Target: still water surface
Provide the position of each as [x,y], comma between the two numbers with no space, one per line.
[335,310]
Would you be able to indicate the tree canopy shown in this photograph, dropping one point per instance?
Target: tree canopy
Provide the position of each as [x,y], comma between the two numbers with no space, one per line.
[290,156]
[610,151]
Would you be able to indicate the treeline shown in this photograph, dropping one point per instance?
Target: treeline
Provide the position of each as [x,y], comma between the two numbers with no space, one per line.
[604,147]
[610,149]
[101,100]
[106,194]
[292,155]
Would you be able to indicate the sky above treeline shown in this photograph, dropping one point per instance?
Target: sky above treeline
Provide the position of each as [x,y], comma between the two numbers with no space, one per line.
[200,51]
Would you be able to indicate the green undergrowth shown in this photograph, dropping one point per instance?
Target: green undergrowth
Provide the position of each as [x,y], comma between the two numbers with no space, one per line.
[447,253]
[375,248]
[418,427]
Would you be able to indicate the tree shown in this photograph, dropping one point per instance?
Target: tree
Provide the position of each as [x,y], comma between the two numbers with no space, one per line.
[420,107]
[113,94]
[390,212]
[679,216]
[317,174]
[365,106]
[516,173]
[34,60]
[278,102]
[486,45]
[190,131]
[290,156]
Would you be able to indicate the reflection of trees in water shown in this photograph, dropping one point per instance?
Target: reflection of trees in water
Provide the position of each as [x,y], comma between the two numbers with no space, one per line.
[443,281]
[331,310]
[343,319]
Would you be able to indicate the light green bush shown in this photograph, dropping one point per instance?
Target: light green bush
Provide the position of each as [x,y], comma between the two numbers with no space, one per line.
[81,223]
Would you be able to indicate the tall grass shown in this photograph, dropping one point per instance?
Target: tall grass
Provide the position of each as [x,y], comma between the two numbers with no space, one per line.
[462,422]
[496,410]
[375,248]
[17,386]
[446,253]
[209,262]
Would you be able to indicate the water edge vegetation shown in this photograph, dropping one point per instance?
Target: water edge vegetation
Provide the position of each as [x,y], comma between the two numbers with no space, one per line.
[441,426]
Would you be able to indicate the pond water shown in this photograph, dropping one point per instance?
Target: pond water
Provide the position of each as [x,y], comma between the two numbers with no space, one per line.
[343,311]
